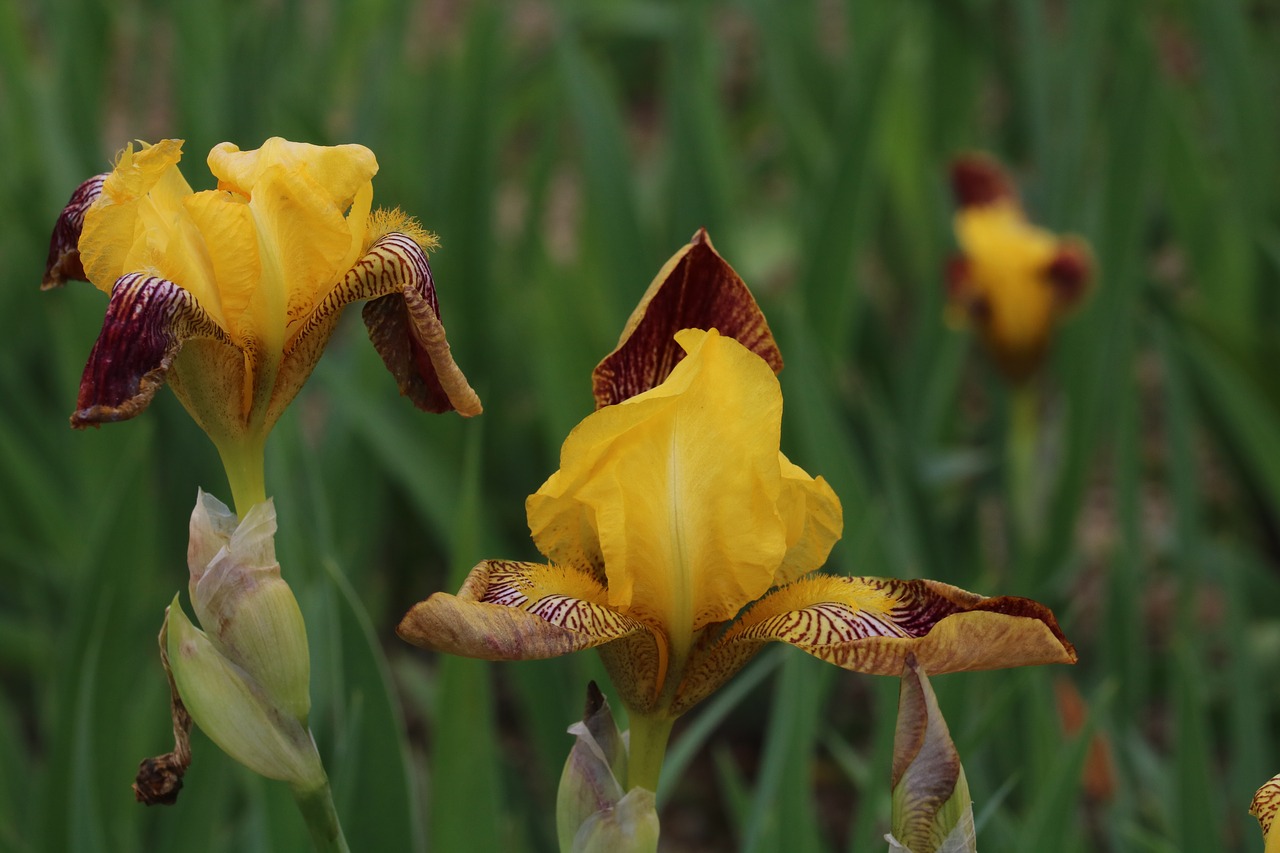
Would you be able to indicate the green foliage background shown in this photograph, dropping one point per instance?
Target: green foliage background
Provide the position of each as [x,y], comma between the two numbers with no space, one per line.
[563,151]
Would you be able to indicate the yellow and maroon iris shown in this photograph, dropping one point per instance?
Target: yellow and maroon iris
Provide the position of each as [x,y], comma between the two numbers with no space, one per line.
[680,540]
[1013,282]
[229,295]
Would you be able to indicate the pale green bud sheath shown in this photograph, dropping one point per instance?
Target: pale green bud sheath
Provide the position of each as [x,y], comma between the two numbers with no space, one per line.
[932,810]
[246,680]
[592,811]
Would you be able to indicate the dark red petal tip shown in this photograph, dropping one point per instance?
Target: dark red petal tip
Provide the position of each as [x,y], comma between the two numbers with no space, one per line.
[702,291]
[63,264]
[1070,270]
[978,180]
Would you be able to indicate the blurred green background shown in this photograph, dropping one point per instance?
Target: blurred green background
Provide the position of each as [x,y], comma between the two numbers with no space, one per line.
[563,152]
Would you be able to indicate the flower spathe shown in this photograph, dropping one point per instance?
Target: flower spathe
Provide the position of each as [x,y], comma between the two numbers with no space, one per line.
[245,677]
[679,537]
[932,811]
[230,295]
[1013,282]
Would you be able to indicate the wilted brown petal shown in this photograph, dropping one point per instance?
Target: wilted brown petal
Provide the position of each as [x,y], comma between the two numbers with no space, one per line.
[63,264]
[148,320]
[696,289]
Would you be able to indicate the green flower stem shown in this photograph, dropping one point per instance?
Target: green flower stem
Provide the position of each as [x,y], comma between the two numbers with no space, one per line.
[1024,439]
[649,735]
[321,817]
[244,462]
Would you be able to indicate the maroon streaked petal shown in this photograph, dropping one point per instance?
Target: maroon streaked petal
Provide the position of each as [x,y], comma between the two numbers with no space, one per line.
[504,611]
[403,318]
[696,289]
[870,625]
[64,264]
[1070,271]
[978,180]
[148,320]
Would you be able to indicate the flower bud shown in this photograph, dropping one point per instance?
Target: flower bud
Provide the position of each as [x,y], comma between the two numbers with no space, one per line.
[239,597]
[932,811]
[593,815]
[234,710]
[245,678]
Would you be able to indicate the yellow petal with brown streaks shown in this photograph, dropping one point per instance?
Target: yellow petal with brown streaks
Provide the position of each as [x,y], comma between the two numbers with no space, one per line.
[871,624]
[517,611]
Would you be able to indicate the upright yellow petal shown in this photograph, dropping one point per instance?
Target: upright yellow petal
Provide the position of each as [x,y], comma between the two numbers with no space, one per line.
[341,169]
[231,243]
[814,520]
[678,487]
[112,231]
[302,240]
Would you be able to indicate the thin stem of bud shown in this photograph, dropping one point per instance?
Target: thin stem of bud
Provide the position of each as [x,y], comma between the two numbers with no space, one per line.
[321,818]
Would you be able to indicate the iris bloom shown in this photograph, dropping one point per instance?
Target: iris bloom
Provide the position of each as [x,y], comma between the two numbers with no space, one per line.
[231,294]
[680,540]
[1012,281]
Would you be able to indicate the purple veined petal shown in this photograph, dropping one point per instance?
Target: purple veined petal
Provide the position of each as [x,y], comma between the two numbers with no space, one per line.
[148,320]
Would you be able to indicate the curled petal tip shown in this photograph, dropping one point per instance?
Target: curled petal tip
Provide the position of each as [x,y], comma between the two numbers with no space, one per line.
[64,263]
[695,289]
[403,319]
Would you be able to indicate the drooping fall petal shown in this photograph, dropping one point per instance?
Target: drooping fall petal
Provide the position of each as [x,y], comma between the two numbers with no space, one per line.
[517,611]
[64,263]
[403,318]
[870,625]
[148,320]
[696,289]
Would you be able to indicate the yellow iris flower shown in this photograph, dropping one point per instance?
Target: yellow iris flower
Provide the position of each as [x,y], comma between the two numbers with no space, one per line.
[681,540]
[231,294]
[1012,281]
